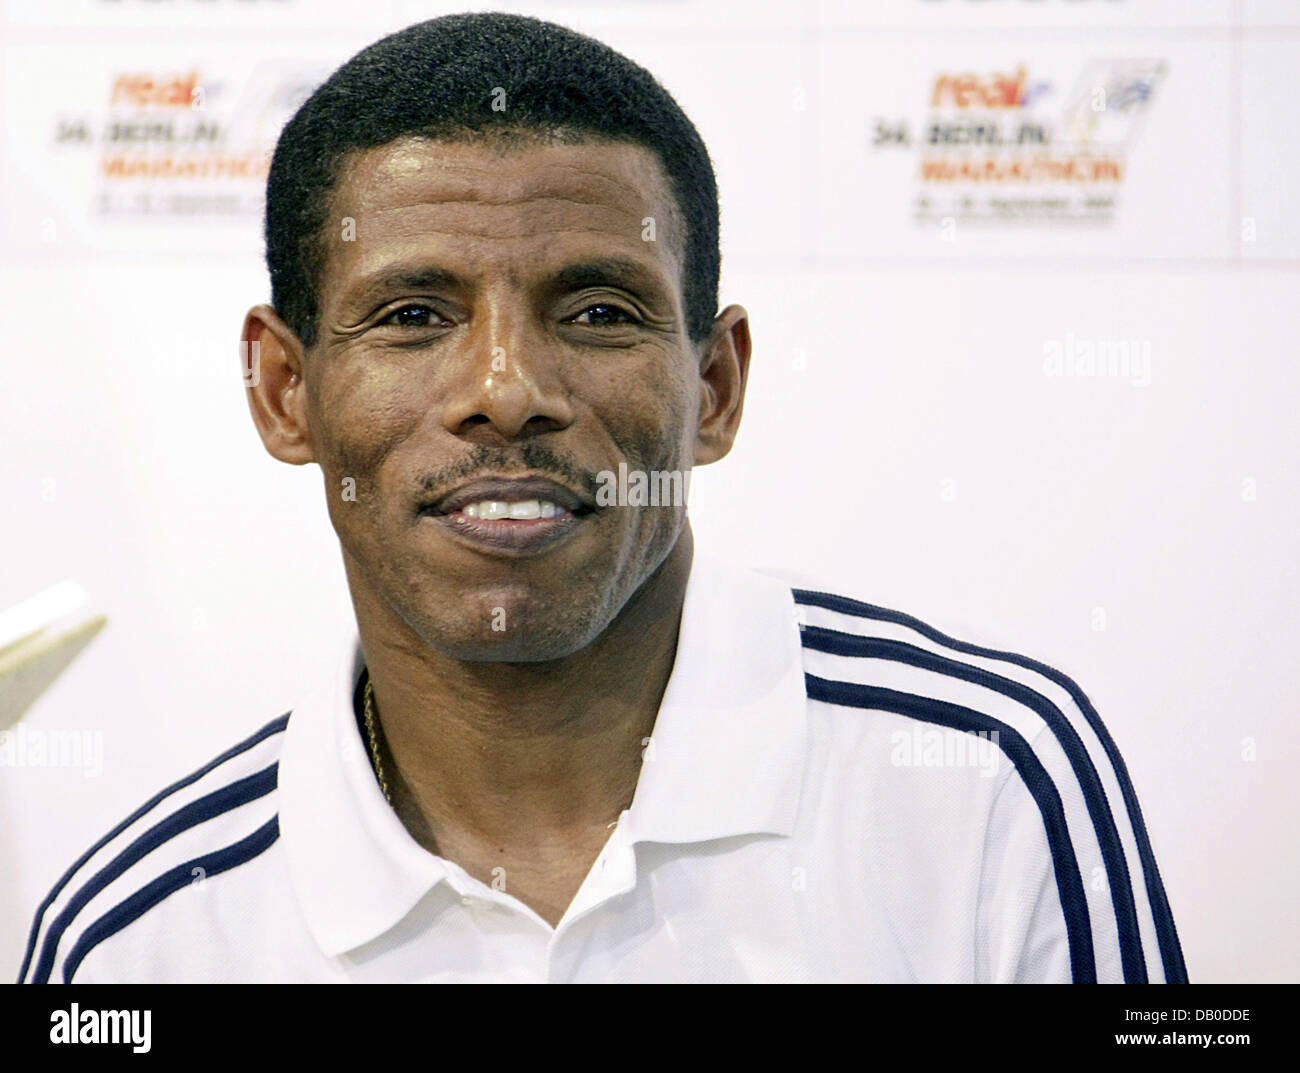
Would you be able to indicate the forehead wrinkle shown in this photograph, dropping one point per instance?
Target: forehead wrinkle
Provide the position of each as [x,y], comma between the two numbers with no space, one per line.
[399,168]
[483,257]
[661,191]
[651,169]
[541,206]
[525,209]
[402,149]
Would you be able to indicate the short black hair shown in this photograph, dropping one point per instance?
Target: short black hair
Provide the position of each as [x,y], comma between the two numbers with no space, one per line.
[437,79]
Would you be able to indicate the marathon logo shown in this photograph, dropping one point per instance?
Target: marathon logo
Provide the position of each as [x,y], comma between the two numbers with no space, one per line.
[996,91]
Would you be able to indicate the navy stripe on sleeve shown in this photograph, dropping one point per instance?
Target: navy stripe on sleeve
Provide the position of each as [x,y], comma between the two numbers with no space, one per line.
[276,726]
[178,878]
[1112,851]
[1171,954]
[1069,882]
[196,812]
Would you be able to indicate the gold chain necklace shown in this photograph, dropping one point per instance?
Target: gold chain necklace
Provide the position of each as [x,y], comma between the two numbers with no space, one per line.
[374,741]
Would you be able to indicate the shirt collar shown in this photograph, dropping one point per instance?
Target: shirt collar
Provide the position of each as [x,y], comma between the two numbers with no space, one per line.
[728,746]
[726,758]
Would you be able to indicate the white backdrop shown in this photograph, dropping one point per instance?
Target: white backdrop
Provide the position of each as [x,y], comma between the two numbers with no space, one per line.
[904,440]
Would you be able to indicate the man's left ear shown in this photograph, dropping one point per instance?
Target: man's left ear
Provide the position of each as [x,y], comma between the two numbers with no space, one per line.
[724,371]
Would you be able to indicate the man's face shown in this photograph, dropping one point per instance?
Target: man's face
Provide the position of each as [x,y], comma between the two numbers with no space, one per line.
[497,328]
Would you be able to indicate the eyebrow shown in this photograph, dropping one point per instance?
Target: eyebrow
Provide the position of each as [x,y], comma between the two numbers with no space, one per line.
[402,278]
[604,271]
[601,271]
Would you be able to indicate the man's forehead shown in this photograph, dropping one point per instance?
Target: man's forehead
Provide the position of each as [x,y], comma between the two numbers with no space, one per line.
[542,162]
[491,185]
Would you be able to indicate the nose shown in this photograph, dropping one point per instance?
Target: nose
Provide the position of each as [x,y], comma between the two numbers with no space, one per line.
[507,385]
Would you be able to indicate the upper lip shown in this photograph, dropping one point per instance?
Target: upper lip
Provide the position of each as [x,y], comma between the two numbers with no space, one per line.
[509,490]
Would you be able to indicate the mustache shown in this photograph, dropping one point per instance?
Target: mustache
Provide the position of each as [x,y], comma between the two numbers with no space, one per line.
[485,461]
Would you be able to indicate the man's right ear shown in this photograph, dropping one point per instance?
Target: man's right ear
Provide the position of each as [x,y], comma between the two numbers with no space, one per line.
[271,356]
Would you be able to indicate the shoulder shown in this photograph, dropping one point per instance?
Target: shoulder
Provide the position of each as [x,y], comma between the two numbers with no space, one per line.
[869,662]
[860,655]
[211,821]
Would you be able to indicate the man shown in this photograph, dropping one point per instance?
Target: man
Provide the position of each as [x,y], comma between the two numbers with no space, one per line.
[559,746]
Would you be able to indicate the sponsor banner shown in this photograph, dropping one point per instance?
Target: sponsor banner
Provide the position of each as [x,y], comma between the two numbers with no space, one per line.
[137,147]
[202,14]
[587,16]
[140,148]
[1270,13]
[1031,14]
[1023,149]
[1270,150]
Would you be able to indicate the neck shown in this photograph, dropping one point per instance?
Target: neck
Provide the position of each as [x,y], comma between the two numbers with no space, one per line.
[521,754]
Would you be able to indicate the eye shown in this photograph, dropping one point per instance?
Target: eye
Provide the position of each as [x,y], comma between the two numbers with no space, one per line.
[414,315]
[604,315]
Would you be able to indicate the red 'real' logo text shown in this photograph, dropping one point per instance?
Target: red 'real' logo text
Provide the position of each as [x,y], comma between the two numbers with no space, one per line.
[144,91]
[972,91]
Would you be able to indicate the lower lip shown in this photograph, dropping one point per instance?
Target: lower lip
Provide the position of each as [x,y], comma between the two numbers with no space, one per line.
[509,534]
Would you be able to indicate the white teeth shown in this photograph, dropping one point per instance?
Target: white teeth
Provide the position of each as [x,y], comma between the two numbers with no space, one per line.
[495,509]
[529,508]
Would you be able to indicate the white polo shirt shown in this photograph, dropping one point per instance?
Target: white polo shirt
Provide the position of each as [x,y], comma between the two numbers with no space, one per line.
[833,792]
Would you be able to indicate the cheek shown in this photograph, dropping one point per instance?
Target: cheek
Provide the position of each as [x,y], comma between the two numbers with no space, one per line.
[660,425]
[355,427]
